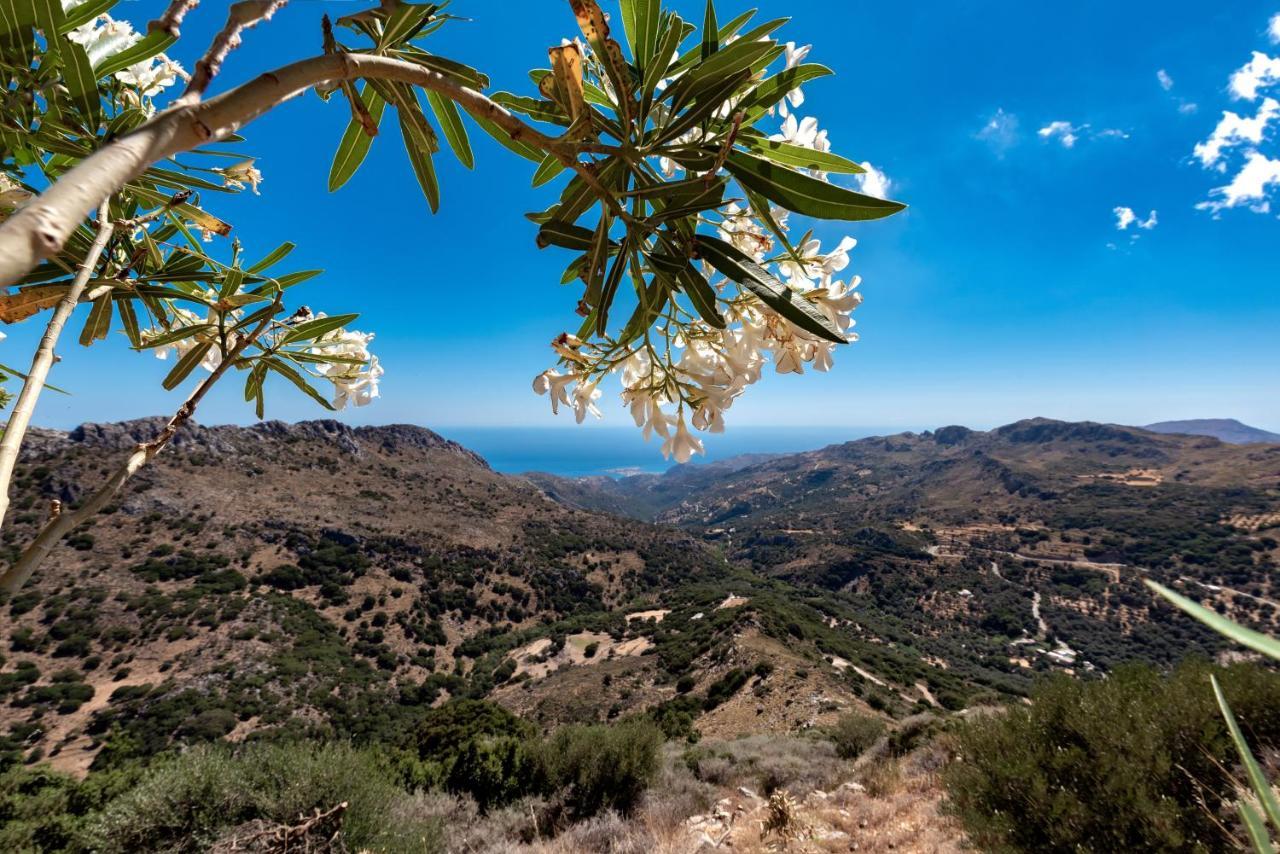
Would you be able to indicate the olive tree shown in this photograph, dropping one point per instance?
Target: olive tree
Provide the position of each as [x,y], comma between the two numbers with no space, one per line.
[675,149]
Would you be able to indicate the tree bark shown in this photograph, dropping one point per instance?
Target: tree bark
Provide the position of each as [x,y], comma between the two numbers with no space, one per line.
[20,418]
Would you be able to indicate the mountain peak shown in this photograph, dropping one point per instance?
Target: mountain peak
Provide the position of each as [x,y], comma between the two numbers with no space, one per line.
[1224,429]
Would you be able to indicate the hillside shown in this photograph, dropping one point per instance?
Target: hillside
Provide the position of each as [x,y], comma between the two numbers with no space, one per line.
[311,577]
[1019,549]
[321,579]
[1226,429]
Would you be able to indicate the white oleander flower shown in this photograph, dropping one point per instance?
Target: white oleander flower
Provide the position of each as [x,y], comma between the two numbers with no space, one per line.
[240,174]
[354,382]
[682,444]
[585,395]
[793,56]
[103,37]
[182,318]
[556,384]
[151,76]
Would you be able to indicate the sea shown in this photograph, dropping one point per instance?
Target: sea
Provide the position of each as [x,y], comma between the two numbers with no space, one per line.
[618,452]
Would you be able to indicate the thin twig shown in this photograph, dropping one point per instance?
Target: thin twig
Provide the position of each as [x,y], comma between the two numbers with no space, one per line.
[20,419]
[178,198]
[243,15]
[171,21]
[58,527]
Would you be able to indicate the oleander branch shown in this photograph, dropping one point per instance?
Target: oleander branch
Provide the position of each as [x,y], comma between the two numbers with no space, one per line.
[20,419]
[39,229]
[63,523]
[242,15]
[171,21]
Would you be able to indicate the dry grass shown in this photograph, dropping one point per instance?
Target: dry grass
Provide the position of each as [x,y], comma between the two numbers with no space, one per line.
[891,805]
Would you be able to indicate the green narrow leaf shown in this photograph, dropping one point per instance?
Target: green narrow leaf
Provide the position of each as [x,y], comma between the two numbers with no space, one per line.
[419,146]
[1258,780]
[701,294]
[797,155]
[548,169]
[610,288]
[274,256]
[129,319]
[84,13]
[82,84]
[153,43]
[404,22]
[186,365]
[656,70]
[525,150]
[1256,641]
[455,132]
[710,33]
[99,322]
[297,379]
[179,334]
[803,194]
[735,264]
[1256,827]
[773,90]
[231,282]
[597,260]
[557,233]
[253,382]
[313,329]
[354,145]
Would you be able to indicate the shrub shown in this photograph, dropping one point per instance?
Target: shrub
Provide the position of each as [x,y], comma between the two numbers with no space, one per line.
[1138,762]
[853,733]
[184,804]
[602,767]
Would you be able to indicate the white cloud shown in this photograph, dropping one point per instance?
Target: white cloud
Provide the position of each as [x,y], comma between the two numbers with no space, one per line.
[1000,132]
[1234,130]
[1248,188]
[1274,29]
[1067,133]
[1188,107]
[1125,217]
[1260,72]
[1166,82]
[873,182]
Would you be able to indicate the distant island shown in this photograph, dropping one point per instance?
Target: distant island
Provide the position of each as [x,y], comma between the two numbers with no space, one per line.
[1226,429]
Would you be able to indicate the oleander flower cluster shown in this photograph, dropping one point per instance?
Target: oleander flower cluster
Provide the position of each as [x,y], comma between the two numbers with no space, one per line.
[348,364]
[104,37]
[683,376]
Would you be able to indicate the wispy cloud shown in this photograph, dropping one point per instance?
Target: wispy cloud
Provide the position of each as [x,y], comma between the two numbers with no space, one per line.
[1064,132]
[1249,188]
[1244,147]
[1125,218]
[1069,134]
[1000,132]
[1259,72]
[1235,130]
[1166,82]
[873,182]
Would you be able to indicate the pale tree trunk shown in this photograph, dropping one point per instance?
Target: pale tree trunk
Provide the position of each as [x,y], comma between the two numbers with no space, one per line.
[20,418]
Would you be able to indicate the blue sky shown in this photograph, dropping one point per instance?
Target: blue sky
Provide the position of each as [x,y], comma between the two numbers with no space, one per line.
[1005,291]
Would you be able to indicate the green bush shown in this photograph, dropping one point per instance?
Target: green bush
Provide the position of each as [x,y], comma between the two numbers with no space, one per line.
[853,733]
[1136,762]
[186,803]
[602,767]
[495,770]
